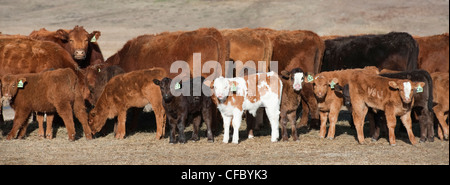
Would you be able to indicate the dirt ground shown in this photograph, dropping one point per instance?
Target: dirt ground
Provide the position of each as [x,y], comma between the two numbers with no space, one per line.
[121,20]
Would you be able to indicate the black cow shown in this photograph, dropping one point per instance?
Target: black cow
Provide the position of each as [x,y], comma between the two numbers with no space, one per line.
[183,109]
[395,51]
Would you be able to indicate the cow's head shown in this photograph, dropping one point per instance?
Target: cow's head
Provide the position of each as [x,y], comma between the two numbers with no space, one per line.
[10,86]
[77,41]
[295,76]
[406,88]
[165,86]
[222,87]
[321,84]
[94,122]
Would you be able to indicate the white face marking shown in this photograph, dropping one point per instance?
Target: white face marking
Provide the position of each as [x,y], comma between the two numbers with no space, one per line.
[298,79]
[221,88]
[407,89]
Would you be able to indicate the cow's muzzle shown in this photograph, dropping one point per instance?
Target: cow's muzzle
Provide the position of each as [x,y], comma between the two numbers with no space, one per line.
[79,54]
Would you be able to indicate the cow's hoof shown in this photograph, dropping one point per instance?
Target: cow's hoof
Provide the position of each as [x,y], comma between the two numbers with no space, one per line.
[330,138]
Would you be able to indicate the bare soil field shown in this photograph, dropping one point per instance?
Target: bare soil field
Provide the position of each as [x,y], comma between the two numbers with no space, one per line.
[121,20]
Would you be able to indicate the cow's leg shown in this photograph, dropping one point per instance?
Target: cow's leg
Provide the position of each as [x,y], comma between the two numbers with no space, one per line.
[283,121]
[207,118]
[40,120]
[80,113]
[443,125]
[173,126]
[161,119]
[305,114]
[49,129]
[121,129]
[196,125]
[64,109]
[23,130]
[333,117]
[391,122]
[323,124]
[20,117]
[406,120]
[307,93]
[181,125]
[237,118]
[273,113]
[358,114]
[291,119]
[226,128]
[251,123]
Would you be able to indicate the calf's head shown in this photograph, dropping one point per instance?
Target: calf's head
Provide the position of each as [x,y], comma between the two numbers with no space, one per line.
[10,86]
[165,86]
[406,88]
[77,41]
[321,84]
[222,87]
[295,76]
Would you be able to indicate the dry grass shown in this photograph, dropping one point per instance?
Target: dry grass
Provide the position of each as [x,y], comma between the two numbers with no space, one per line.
[141,147]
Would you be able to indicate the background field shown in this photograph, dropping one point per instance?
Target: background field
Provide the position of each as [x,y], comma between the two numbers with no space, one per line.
[120,20]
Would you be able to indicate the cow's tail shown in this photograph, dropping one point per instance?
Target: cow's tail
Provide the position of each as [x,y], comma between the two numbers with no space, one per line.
[430,90]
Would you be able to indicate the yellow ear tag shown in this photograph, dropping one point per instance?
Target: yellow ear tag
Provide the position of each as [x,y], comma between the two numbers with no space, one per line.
[419,89]
[332,84]
[20,84]
[309,78]
[177,86]
[233,88]
[93,39]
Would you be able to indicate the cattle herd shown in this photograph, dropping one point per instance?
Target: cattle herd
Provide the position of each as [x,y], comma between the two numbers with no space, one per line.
[224,74]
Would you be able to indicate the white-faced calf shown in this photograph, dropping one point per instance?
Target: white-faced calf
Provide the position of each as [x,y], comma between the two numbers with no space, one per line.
[235,95]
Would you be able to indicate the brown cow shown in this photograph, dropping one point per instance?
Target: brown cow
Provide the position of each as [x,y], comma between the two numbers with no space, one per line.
[46,92]
[248,45]
[440,98]
[330,101]
[433,53]
[393,96]
[299,49]
[25,55]
[133,89]
[162,50]
[78,42]
[97,76]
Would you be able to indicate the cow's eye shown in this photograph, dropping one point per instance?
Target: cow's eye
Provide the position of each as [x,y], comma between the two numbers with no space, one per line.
[70,40]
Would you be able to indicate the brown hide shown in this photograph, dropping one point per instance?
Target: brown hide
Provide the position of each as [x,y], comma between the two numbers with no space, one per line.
[330,101]
[133,89]
[433,53]
[299,49]
[378,93]
[55,91]
[76,41]
[440,98]
[163,49]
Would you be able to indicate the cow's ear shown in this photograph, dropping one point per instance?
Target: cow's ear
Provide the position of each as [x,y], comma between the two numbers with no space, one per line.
[285,74]
[62,34]
[393,85]
[94,36]
[21,82]
[418,86]
[157,82]
[309,78]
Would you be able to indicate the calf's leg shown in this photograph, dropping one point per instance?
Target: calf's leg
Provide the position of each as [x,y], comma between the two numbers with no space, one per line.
[406,120]
[64,109]
[226,128]
[20,118]
[237,118]
[49,129]
[121,119]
